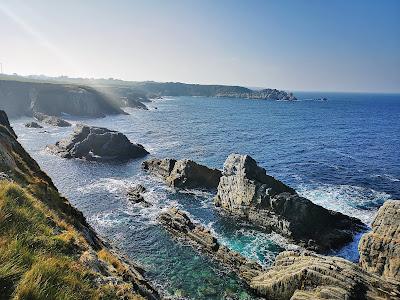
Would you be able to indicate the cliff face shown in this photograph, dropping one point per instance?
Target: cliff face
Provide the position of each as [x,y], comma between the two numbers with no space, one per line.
[19,98]
[380,248]
[46,245]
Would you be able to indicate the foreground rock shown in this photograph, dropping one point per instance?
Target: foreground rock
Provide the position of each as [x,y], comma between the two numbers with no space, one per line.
[6,123]
[183,173]
[51,120]
[306,275]
[246,191]
[380,248]
[96,143]
[180,225]
[33,125]
[135,194]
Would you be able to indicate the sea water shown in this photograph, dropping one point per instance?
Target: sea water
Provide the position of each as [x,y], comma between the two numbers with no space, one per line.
[342,154]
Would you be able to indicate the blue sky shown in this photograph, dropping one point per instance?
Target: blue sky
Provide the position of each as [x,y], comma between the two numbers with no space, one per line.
[295,45]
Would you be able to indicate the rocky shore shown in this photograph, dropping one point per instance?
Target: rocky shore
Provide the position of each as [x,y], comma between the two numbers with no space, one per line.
[47,244]
[97,143]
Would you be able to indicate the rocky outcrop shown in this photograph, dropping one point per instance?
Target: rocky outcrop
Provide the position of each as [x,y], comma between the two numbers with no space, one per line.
[6,123]
[51,120]
[380,248]
[20,98]
[246,191]
[183,173]
[305,275]
[135,194]
[97,143]
[33,125]
[179,224]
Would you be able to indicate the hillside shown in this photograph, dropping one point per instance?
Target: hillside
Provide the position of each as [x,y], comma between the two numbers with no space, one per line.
[47,249]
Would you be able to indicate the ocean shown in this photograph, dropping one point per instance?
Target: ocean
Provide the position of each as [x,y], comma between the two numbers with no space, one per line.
[342,154]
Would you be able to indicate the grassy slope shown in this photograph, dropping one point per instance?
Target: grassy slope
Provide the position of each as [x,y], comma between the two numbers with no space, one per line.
[47,250]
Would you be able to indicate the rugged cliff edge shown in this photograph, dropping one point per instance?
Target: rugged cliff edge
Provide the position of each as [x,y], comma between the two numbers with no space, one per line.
[46,245]
[246,191]
[20,98]
[380,248]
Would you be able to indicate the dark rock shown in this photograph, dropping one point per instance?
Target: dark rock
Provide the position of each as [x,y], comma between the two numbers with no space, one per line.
[135,194]
[183,173]
[380,248]
[305,275]
[33,125]
[6,123]
[51,120]
[96,143]
[180,226]
[246,191]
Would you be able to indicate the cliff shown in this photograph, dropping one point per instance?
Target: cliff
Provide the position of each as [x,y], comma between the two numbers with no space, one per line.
[380,248]
[19,98]
[46,245]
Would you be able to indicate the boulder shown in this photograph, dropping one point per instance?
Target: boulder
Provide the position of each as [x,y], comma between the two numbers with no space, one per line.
[380,248]
[33,125]
[183,173]
[135,194]
[181,226]
[51,120]
[306,275]
[246,191]
[97,143]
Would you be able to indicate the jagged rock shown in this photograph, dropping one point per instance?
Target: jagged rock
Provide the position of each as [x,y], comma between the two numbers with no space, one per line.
[135,194]
[181,226]
[6,123]
[96,143]
[183,173]
[246,191]
[33,125]
[305,275]
[51,120]
[380,248]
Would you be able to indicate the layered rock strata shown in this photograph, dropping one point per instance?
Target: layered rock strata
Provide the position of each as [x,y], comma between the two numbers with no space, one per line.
[246,191]
[183,173]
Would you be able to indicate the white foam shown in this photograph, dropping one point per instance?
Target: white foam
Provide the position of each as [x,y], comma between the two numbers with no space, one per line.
[346,199]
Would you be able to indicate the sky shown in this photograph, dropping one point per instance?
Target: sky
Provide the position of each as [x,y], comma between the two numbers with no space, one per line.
[339,45]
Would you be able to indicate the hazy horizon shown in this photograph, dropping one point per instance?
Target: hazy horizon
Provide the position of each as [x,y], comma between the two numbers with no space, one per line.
[338,46]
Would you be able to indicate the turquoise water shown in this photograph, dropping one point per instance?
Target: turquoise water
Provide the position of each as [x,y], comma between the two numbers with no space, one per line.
[342,154]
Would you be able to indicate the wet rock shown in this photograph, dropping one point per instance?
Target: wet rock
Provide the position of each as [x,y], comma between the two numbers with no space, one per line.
[380,248]
[51,120]
[183,173]
[306,275]
[96,143]
[33,125]
[181,226]
[135,194]
[246,191]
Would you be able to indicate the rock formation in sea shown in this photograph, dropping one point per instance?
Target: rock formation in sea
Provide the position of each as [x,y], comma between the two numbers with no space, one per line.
[136,194]
[246,191]
[33,125]
[47,246]
[183,173]
[181,226]
[51,120]
[380,248]
[97,143]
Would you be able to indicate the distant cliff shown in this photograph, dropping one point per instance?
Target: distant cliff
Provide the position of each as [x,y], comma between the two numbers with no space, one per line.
[19,98]
[185,89]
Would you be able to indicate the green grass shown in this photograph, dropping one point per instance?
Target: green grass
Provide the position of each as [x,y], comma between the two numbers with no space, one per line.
[39,252]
